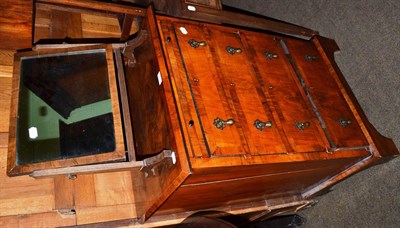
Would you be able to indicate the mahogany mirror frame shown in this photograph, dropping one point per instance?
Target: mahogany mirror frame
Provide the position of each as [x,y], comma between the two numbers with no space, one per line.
[119,154]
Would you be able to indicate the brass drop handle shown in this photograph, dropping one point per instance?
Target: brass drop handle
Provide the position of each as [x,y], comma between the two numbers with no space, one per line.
[261,125]
[271,55]
[221,124]
[196,44]
[302,125]
[232,50]
[344,123]
[310,58]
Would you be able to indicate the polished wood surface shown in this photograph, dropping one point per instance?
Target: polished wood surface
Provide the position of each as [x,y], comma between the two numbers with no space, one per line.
[122,195]
[16,24]
[208,175]
[196,196]
[6,63]
[208,89]
[18,192]
[210,11]
[249,101]
[233,83]
[62,22]
[327,96]
[280,84]
[65,24]
[63,199]
[149,114]
[246,95]
[158,190]
[383,146]
[202,73]
[99,6]
[287,170]
[191,129]
[45,219]
[5,94]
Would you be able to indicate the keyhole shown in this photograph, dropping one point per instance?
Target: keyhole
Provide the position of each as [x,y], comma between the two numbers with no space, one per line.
[191,123]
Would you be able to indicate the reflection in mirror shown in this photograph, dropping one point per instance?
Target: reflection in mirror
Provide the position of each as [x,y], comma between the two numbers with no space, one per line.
[64,107]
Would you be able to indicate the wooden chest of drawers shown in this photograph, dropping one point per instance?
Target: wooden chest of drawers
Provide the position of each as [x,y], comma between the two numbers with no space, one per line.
[251,117]
[255,116]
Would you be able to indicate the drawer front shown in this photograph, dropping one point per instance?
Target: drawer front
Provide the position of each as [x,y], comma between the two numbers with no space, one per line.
[191,127]
[249,101]
[210,94]
[281,85]
[224,88]
[342,127]
[246,93]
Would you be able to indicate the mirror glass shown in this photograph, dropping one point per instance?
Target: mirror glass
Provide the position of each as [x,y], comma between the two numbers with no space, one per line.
[64,107]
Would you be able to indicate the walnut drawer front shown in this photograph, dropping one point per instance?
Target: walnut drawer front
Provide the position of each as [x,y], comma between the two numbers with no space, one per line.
[343,130]
[223,86]
[244,93]
[283,89]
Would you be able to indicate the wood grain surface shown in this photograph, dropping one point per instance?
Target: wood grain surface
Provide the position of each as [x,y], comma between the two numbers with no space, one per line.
[63,22]
[5,102]
[245,84]
[45,219]
[249,101]
[327,96]
[149,114]
[151,193]
[16,24]
[23,195]
[215,168]
[187,113]
[277,185]
[210,93]
[289,103]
